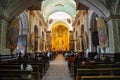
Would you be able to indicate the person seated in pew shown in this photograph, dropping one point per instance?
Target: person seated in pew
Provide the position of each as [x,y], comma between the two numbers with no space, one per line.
[49,55]
[26,66]
[72,58]
[106,59]
[37,56]
[43,56]
[97,58]
[79,59]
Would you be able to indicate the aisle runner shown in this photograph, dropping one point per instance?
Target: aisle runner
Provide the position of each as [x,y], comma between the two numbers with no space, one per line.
[58,70]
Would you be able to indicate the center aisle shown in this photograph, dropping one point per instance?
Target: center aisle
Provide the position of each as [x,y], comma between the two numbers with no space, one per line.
[58,70]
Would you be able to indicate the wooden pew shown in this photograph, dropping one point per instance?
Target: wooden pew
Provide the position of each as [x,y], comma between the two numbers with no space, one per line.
[35,72]
[93,66]
[100,77]
[43,66]
[97,72]
[12,78]
[89,66]
[7,57]
[8,74]
[40,65]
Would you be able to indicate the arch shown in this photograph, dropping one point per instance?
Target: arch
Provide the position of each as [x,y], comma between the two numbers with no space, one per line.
[59,23]
[23,29]
[60,37]
[23,24]
[60,14]
[99,8]
[49,7]
[93,21]
[58,18]
[14,9]
[59,11]
[17,7]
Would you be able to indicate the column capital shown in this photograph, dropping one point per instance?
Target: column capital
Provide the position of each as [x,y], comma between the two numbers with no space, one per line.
[2,17]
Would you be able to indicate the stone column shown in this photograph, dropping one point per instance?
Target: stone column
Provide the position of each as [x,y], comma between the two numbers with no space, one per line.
[75,41]
[39,45]
[80,47]
[75,48]
[113,23]
[4,24]
[44,48]
[89,41]
[43,45]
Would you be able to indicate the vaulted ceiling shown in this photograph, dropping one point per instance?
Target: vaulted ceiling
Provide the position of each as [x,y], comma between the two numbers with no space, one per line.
[11,8]
[51,6]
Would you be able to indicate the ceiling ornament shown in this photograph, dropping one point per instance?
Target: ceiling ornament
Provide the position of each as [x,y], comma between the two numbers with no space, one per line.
[50,21]
[69,21]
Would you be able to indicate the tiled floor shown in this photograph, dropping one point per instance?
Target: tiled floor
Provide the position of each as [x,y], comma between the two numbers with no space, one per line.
[58,70]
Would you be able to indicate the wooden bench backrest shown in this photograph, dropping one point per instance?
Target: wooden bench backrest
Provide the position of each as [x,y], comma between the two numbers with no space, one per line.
[100,77]
[98,66]
[97,72]
[35,68]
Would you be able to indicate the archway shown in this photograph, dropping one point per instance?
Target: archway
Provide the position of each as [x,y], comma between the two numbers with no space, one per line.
[60,37]
[16,7]
[96,6]
[23,29]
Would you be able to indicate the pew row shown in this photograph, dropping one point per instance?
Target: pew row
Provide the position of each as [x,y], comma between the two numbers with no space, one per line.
[100,77]
[8,74]
[97,72]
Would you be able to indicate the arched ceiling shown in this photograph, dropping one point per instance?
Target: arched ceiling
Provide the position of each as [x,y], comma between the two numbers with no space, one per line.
[14,8]
[59,15]
[59,18]
[96,6]
[52,6]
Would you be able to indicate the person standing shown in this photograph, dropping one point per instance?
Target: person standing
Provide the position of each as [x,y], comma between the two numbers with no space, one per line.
[21,53]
